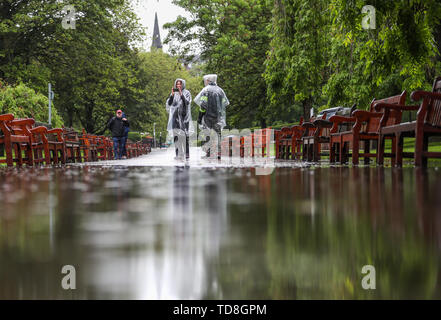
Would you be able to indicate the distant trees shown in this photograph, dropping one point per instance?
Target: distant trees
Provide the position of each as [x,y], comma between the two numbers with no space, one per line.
[94,68]
[276,59]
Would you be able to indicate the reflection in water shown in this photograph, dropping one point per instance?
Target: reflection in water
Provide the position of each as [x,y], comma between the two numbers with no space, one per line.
[187,233]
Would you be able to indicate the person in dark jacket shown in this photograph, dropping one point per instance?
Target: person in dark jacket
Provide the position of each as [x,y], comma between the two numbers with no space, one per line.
[117,125]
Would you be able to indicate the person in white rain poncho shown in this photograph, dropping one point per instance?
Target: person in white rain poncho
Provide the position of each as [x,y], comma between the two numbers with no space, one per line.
[180,126]
[212,113]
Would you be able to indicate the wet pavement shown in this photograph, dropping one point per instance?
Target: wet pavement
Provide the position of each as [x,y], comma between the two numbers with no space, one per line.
[155,228]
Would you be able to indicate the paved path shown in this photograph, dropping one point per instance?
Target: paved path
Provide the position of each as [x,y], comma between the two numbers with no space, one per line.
[165,158]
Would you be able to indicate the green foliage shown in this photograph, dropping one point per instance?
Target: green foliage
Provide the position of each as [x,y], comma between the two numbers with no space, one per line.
[320,54]
[134,136]
[309,53]
[24,102]
[89,67]
[296,67]
[275,59]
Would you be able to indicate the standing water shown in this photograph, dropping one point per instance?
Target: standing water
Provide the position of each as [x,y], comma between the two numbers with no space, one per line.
[176,232]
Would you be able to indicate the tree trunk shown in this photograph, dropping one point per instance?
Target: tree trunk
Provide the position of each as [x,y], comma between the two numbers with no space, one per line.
[306,109]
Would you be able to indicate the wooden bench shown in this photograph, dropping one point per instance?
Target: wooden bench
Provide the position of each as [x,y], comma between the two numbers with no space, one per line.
[72,144]
[313,136]
[428,124]
[365,129]
[47,145]
[101,147]
[262,142]
[109,148]
[88,147]
[288,142]
[15,141]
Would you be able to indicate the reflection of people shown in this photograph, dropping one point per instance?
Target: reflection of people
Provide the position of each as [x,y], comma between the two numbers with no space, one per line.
[126,137]
[117,126]
[212,115]
[179,123]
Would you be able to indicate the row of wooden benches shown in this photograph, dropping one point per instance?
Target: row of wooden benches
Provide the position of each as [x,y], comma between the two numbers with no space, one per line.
[342,136]
[23,142]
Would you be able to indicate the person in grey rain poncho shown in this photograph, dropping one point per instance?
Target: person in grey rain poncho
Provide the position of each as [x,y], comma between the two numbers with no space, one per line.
[212,113]
[180,126]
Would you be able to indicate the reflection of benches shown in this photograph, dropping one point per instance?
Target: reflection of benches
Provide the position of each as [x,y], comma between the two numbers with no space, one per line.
[428,124]
[365,129]
[15,141]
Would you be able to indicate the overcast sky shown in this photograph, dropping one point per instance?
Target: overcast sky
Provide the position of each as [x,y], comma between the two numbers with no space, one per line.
[167,12]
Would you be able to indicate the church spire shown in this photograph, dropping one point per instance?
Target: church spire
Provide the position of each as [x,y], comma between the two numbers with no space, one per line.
[156,43]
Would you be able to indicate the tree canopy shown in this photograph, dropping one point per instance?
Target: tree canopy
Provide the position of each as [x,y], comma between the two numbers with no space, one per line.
[280,58]
[276,59]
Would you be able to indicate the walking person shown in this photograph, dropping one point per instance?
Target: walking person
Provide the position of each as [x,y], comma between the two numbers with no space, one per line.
[180,126]
[212,113]
[126,137]
[117,127]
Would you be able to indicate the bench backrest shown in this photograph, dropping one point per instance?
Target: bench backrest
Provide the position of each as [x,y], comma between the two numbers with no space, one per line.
[394,117]
[433,116]
[70,135]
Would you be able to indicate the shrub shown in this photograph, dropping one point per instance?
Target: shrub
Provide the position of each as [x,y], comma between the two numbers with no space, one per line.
[24,102]
[134,136]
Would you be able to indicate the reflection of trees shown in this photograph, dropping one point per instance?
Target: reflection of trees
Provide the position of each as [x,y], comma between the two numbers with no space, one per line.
[32,251]
[324,256]
[323,225]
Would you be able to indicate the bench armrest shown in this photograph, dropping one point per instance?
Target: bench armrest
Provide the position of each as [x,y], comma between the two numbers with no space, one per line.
[340,120]
[22,122]
[56,130]
[41,130]
[362,115]
[308,125]
[323,123]
[420,94]
[6,117]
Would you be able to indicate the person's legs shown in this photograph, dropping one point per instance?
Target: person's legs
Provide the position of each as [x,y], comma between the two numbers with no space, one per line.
[219,149]
[116,142]
[175,140]
[187,146]
[124,146]
[207,145]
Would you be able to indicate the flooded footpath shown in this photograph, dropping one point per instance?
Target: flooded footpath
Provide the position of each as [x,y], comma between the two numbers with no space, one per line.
[161,231]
